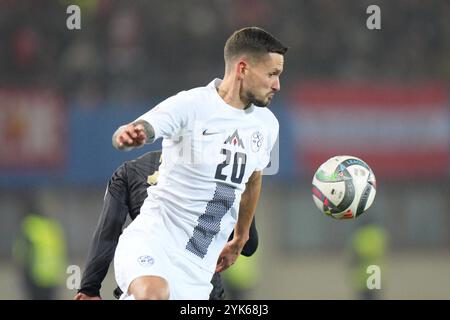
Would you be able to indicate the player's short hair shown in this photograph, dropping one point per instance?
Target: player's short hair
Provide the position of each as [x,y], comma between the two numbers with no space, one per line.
[253,41]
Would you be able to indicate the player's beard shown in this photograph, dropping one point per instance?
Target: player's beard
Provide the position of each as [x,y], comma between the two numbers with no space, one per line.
[251,98]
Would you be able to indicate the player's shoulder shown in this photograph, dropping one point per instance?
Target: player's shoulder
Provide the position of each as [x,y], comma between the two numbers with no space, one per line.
[267,117]
[195,93]
[195,101]
[189,102]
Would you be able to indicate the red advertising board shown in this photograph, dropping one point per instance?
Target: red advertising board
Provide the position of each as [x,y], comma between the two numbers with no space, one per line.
[401,131]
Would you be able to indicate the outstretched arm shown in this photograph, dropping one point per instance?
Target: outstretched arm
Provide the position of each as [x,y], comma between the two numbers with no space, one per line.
[247,208]
[133,135]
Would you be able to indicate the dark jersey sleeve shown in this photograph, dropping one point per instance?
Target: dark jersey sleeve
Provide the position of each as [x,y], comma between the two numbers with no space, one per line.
[218,291]
[127,190]
[252,242]
[106,235]
[138,172]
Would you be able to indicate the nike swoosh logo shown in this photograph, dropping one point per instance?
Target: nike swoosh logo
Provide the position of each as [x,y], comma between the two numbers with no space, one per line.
[209,133]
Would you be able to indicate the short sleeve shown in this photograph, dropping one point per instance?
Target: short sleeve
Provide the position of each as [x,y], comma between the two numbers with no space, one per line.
[170,116]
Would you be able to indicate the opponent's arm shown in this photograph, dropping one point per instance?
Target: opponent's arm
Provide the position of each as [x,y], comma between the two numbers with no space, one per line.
[247,208]
[252,244]
[132,135]
[106,237]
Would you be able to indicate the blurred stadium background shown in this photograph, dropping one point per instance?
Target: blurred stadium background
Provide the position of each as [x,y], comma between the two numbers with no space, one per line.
[381,95]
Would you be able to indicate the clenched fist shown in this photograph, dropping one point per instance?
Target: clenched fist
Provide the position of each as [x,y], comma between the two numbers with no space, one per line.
[130,136]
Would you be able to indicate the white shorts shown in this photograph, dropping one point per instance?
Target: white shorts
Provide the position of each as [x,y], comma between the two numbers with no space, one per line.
[143,253]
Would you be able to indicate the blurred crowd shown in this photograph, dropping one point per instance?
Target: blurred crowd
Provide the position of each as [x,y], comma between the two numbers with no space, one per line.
[135,50]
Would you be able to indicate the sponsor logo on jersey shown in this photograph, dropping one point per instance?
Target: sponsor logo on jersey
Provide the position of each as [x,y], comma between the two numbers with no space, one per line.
[206,133]
[235,140]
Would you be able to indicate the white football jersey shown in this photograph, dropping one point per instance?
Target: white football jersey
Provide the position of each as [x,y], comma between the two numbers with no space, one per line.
[210,149]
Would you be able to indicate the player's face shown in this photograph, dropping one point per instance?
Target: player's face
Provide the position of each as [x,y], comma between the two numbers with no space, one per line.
[263,79]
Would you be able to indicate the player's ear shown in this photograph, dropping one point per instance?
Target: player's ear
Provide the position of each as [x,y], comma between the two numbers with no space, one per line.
[241,69]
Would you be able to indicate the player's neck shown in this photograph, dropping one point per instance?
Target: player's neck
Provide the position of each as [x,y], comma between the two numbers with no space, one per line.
[229,91]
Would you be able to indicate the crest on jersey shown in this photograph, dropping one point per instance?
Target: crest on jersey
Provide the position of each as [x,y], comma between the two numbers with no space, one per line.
[146,261]
[235,140]
[257,141]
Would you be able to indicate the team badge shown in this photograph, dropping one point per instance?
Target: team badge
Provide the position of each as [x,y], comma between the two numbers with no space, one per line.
[257,141]
[146,261]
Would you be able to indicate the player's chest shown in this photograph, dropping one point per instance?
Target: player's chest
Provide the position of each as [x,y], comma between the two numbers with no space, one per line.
[228,149]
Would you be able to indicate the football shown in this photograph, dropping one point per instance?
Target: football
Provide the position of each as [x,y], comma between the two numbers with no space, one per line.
[344,187]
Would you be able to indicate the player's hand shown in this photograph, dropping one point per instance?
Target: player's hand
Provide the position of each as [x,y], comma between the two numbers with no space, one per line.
[229,254]
[130,135]
[82,296]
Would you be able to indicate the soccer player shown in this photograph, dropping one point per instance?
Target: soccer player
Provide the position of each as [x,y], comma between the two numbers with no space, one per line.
[124,196]
[217,140]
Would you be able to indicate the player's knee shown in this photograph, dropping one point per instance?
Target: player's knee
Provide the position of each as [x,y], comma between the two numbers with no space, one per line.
[150,293]
[149,288]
